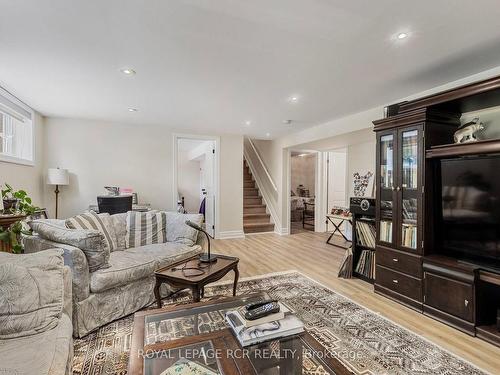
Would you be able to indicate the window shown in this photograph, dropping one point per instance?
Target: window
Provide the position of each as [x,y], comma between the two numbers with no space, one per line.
[16,130]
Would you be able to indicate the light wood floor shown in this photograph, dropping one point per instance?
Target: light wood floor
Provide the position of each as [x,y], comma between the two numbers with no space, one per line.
[308,253]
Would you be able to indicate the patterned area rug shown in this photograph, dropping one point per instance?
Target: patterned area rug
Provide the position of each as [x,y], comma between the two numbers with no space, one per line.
[364,342]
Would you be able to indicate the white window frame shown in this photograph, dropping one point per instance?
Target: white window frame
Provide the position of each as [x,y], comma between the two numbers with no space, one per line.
[13,159]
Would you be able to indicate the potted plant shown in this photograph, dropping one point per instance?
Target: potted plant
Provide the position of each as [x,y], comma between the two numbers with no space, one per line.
[15,203]
[9,200]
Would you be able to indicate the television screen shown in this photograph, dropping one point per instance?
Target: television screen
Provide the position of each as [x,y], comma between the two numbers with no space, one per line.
[471,209]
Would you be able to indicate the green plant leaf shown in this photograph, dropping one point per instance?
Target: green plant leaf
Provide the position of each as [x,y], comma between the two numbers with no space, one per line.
[17,249]
[5,236]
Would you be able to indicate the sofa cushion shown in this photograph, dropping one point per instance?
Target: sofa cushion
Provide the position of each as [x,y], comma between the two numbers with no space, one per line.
[47,353]
[137,263]
[119,223]
[179,231]
[169,252]
[91,220]
[126,266]
[91,242]
[145,228]
[31,292]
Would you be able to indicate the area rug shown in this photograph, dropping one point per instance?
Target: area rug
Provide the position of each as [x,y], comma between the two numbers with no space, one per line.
[364,342]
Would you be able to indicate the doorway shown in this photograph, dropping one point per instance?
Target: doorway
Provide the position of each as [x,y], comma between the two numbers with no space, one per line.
[196,178]
[302,191]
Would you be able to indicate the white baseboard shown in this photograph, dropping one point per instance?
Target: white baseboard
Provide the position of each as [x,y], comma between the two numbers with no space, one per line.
[282,231]
[231,234]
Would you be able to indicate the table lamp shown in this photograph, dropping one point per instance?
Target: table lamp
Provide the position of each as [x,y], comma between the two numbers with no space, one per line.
[204,258]
[57,176]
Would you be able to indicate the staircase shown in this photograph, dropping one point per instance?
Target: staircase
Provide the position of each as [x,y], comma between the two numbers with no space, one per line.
[255,218]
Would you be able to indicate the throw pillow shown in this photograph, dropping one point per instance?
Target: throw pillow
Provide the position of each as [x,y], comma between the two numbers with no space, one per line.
[31,292]
[119,222]
[177,229]
[91,242]
[91,220]
[145,228]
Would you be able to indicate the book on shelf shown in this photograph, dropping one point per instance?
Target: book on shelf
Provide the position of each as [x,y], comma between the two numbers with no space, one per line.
[386,231]
[366,264]
[365,234]
[246,336]
[409,235]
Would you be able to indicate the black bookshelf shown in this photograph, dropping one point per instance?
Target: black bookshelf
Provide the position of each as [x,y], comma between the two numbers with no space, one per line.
[363,226]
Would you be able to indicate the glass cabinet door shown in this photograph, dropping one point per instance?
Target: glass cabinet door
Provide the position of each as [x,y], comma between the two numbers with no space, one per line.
[387,143]
[408,188]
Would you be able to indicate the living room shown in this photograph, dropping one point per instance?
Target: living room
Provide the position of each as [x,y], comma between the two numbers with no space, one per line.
[118,257]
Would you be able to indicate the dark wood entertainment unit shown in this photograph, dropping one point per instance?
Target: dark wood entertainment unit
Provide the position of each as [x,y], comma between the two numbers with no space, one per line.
[410,265]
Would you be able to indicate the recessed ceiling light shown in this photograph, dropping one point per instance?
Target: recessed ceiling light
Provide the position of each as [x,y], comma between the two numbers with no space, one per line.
[128,71]
[132,109]
[287,122]
[294,99]
[402,35]
[248,123]
[268,135]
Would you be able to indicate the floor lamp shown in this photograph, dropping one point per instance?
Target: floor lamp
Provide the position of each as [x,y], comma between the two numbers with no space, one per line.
[58,177]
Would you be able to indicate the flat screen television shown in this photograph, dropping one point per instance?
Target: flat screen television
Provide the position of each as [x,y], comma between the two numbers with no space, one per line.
[470,228]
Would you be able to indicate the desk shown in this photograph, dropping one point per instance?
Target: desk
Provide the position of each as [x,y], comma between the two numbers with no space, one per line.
[336,226]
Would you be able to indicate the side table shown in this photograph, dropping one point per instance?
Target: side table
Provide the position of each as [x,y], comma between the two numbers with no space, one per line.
[182,275]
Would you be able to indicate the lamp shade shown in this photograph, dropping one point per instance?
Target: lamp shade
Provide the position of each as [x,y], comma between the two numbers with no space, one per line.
[57,176]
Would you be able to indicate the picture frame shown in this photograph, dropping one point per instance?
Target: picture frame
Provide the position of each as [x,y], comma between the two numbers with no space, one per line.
[39,214]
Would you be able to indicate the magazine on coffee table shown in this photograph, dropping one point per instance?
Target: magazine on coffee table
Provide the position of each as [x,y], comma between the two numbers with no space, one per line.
[289,325]
[269,318]
[187,367]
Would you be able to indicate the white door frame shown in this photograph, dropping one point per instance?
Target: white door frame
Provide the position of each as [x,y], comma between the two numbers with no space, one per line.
[321,192]
[176,137]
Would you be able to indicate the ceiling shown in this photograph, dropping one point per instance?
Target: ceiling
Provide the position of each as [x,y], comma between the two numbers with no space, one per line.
[211,65]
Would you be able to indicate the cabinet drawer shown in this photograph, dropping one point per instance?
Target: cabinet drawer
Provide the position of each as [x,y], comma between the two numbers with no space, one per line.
[451,296]
[400,283]
[399,261]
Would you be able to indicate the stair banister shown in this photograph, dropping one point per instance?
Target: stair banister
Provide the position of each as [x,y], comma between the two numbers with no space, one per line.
[262,165]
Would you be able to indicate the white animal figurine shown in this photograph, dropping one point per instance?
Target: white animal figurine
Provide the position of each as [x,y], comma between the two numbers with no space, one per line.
[467,132]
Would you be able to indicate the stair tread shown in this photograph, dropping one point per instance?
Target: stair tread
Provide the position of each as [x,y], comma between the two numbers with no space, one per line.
[257,224]
[256,214]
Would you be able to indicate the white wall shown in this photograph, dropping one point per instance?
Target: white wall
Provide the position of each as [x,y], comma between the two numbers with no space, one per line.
[25,177]
[360,158]
[98,154]
[231,186]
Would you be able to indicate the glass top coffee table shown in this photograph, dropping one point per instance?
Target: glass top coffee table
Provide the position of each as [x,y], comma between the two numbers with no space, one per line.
[194,339]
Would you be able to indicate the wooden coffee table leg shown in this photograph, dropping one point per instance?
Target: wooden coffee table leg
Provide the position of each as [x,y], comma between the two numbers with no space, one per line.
[236,276]
[157,292]
[202,292]
[196,294]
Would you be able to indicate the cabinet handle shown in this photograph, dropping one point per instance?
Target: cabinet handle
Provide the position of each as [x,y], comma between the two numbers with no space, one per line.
[395,259]
[395,281]
[466,303]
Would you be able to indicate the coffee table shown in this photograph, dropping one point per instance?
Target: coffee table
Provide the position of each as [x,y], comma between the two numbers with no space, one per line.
[197,335]
[181,275]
